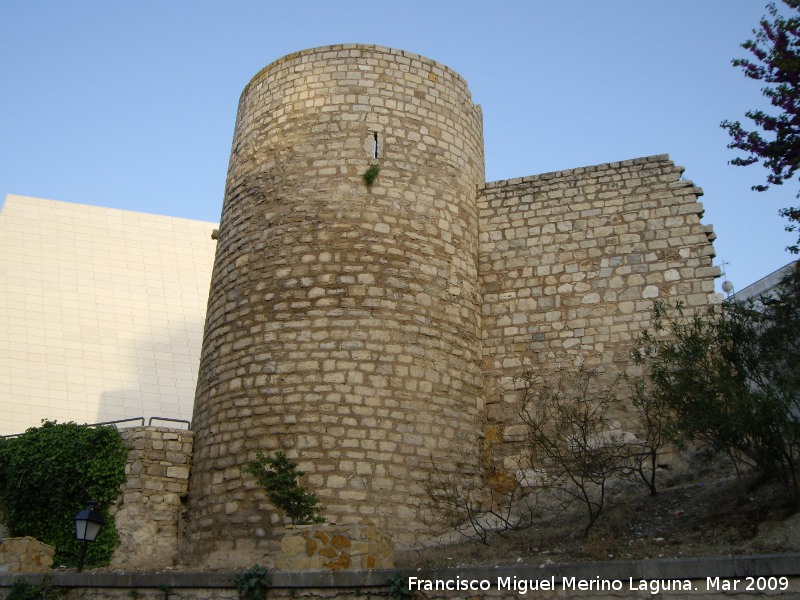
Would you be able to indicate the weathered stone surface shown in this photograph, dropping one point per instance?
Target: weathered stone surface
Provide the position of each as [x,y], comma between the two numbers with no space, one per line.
[25,555]
[601,243]
[335,547]
[149,514]
[368,331]
[316,343]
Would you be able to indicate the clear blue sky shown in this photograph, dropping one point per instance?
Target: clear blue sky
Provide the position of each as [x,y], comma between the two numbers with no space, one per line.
[132,104]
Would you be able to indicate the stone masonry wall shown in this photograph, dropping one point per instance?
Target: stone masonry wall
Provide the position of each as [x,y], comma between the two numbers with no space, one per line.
[25,555]
[369,330]
[571,263]
[149,516]
[343,322]
[335,548]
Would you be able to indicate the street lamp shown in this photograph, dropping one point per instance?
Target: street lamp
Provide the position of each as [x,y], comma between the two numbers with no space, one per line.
[88,524]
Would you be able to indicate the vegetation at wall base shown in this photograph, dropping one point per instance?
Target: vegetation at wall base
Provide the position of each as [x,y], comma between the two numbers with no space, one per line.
[253,584]
[279,478]
[398,587]
[731,377]
[568,454]
[50,473]
[569,441]
[23,590]
[725,381]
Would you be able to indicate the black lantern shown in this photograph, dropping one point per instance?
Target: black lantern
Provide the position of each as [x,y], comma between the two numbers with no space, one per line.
[88,524]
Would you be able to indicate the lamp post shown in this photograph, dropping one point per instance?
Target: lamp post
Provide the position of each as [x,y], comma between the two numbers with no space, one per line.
[88,524]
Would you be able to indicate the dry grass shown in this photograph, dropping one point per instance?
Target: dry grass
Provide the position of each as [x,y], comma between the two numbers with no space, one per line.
[692,516]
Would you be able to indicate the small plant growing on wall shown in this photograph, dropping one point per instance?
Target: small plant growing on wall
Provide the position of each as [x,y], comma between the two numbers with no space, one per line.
[166,591]
[398,587]
[279,478]
[370,175]
[253,584]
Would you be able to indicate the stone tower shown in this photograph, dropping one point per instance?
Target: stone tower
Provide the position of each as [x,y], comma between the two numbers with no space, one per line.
[343,321]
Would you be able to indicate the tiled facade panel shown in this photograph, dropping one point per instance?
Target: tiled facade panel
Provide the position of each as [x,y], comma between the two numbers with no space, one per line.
[101,312]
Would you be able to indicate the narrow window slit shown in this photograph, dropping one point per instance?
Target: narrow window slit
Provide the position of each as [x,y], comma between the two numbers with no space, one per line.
[375,146]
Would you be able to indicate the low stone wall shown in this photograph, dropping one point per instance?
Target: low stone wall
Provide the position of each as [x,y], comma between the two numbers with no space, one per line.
[150,508]
[25,555]
[336,547]
[708,578]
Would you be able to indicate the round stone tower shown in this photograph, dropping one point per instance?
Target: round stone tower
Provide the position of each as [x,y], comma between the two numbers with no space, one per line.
[343,321]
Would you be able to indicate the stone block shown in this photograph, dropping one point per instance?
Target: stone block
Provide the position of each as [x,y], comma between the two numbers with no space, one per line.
[25,555]
[336,547]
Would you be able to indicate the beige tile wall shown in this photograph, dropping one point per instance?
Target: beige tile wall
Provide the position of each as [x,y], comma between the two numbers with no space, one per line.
[101,312]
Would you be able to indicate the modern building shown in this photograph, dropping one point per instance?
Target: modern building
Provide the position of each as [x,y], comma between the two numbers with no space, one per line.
[766,284]
[101,312]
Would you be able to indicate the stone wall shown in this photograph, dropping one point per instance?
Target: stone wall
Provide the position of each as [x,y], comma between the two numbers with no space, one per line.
[25,555]
[335,548]
[370,330]
[343,322]
[571,263]
[149,513]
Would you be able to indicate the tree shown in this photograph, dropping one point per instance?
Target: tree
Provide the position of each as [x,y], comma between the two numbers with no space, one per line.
[776,62]
[480,505]
[655,423]
[730,375]
[572,448]
[278,476]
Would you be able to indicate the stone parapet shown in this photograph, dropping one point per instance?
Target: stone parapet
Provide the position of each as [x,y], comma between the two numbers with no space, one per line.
[712,578]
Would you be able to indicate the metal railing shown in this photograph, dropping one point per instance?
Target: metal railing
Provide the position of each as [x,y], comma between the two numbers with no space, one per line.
[150,422]
[116,422]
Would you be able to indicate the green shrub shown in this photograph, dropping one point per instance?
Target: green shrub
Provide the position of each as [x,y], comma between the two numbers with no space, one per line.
[50,473]
[370,175]
[731,375]
[398,587]
[253,584]
[278,476]
[22,590]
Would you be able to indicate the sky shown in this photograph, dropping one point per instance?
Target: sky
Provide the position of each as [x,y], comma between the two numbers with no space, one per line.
[131,105]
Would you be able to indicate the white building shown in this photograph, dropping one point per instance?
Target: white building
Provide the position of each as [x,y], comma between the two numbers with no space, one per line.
[101,312]
[765,285]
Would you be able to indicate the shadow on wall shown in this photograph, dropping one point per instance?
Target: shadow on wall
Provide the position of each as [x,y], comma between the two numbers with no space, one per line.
[159,376]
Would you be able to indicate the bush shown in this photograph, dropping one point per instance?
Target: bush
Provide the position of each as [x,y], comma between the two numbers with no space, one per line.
[22,590]
[278,476]
[253,584]
[50,473]
[479,505]
[731,375]
[573,450]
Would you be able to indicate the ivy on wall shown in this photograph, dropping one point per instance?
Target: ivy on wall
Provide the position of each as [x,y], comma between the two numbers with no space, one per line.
[50,473]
